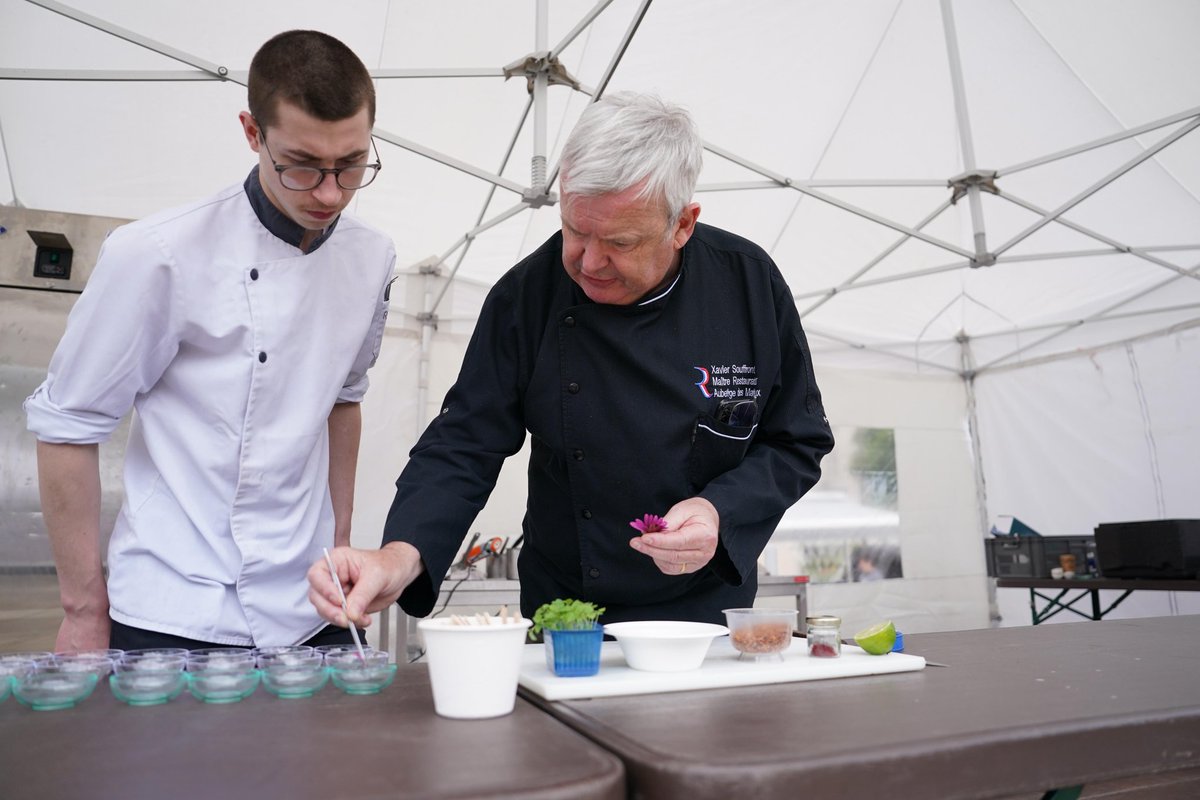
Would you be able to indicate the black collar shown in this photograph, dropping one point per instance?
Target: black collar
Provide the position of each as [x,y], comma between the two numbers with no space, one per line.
[274,220]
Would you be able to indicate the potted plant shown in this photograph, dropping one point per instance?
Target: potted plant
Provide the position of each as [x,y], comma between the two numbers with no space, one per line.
[572,635]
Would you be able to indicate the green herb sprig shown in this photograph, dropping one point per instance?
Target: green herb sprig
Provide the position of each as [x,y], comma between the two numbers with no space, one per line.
[564,615]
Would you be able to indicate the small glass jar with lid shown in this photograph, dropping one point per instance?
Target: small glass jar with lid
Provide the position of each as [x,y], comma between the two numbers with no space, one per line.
[823,636]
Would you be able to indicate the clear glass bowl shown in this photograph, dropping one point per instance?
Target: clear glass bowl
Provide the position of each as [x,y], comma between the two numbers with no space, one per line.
[293,653]
[94,661]
[223,684]
[49,688]
[140,685]
[293,674]
[242,661]
[354,675]
[11,669]
[328,650]
[761,634]
[151,662]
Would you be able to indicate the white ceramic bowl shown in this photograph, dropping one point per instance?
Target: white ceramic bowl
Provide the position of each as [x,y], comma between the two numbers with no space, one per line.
[666,645]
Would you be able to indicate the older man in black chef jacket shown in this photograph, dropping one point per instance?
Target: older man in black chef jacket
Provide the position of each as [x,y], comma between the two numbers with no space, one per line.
[660,368]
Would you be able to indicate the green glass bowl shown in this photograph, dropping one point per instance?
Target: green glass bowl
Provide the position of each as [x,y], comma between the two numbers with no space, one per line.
[147,687]
[49,689]
[294,677]
[223,685]
[357,676]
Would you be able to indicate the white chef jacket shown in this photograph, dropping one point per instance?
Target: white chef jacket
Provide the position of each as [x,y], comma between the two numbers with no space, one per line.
[232,346]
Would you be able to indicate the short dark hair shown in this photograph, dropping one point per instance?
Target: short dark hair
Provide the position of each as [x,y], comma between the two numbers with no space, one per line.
[314,71]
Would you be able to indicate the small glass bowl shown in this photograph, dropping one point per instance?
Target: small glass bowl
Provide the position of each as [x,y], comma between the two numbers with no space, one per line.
[151,662]
[206,652]
[328,650]
[156,651]
[140,682]
[36,656]
[49,688]
[237,661]
[13,670]
[92,661]
[221,683]
[292,653]
[293,674]
[354,675]
[761,634]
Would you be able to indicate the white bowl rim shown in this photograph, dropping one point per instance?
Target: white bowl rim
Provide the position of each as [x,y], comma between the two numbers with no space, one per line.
[647,629]
[446,624]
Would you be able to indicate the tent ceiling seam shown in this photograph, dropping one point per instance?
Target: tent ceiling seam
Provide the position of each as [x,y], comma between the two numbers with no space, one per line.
[838,125]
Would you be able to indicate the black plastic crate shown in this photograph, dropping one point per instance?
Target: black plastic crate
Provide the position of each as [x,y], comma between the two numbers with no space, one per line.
[1035,556]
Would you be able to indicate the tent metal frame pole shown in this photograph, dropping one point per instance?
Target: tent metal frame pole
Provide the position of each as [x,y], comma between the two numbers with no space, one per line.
[783,180]
[965,137]
[1027,329]
[853,345]
[1142,337]
[1095,317]
[1140,252]
[449,161]
[120,75]
[1105,181]
[597,92]
[134,38]
[580,27]
[537,182]
[1101,142]
[881,183]
[917,273]
[465,243]
[852,280]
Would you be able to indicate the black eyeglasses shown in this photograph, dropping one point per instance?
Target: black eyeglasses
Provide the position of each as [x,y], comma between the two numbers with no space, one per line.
[303,179]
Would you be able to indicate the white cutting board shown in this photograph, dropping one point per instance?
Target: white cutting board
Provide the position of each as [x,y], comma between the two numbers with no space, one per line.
[720,668]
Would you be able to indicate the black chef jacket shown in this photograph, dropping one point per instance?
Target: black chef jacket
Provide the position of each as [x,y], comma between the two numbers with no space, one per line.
[623,404]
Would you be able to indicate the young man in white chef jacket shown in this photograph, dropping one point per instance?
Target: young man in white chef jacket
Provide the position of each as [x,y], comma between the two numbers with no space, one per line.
[240,329]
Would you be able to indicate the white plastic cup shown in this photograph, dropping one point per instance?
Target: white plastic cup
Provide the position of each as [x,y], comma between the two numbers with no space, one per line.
[473,669]
[1056,572]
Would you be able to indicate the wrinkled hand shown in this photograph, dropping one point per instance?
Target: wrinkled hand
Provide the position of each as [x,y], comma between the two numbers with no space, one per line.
[689,542]
[83,631]
[372,580]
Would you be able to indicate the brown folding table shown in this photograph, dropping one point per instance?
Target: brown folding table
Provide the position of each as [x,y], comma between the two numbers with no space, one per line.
[330,745]
[1015,710]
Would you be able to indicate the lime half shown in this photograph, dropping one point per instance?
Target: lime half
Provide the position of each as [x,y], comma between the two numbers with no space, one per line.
[877,639]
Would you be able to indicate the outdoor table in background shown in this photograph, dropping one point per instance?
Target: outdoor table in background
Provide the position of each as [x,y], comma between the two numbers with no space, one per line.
[1016,710]
[330,745]
[1087,588]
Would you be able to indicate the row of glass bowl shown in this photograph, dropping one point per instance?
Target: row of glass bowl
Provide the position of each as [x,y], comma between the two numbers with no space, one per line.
[48,681]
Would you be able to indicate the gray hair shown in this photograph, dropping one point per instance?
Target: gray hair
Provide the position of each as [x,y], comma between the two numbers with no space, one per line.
[626,138]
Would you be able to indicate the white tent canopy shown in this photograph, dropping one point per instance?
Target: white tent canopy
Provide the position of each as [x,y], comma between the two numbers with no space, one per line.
[952,189]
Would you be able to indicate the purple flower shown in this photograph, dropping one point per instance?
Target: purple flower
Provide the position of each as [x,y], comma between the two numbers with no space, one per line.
[649,523]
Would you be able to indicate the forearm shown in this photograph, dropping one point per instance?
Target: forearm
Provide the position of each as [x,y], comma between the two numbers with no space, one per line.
[69,483]
[345,432]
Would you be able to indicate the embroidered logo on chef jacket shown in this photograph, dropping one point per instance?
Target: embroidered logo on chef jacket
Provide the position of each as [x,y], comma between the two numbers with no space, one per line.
[729,381]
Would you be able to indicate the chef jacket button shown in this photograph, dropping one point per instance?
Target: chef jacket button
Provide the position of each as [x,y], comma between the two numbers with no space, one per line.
[577,455]
[253,274]
[262,358]
[569,322]
[573,388]
[586,513]
[593,573]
